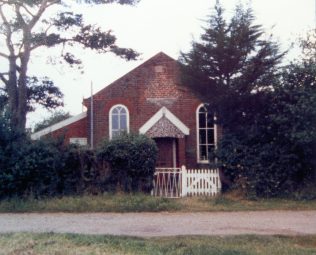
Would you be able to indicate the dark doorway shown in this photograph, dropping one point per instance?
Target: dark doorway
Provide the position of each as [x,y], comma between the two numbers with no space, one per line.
[167,152]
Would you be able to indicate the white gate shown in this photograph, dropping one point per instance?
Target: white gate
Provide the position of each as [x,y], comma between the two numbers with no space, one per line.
[200,182]
[180,182]
[167,182]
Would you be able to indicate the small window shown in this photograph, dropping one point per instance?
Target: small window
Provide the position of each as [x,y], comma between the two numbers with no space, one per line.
[206,134]
[119,120]
[82,141]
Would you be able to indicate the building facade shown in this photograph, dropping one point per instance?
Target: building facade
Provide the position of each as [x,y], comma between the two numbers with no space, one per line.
[148,100]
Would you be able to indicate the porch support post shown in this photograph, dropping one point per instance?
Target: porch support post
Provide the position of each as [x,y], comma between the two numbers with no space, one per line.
[174,153]
[181,151]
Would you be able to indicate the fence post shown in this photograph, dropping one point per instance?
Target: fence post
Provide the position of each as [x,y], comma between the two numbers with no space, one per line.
[219,188]
[184,181]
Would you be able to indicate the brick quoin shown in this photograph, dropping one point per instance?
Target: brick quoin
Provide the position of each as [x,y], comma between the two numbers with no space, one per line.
[144,91]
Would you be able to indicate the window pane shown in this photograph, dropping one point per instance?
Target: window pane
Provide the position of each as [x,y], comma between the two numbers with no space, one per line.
[202,110]
[122,111]
[115,110]
[211,150]
[202,136]
[210,120]
[210,136]
[123,122]
[202,120]
[115,124]
[203,153]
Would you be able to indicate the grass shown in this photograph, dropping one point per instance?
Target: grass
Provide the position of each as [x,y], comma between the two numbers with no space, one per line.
[146,203]
[24,243]
[90,203]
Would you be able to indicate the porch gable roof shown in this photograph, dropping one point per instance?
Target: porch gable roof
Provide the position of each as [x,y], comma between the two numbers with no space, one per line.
[169,117]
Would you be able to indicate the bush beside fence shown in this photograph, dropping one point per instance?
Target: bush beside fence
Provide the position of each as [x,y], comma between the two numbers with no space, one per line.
[48,167]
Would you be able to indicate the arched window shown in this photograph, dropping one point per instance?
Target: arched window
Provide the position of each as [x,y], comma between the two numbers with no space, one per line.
[119,120]
[206,134]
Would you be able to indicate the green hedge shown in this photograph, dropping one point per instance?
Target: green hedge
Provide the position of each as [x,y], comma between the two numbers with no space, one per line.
[50,168]
[132,160]
[46,168]
[273,155]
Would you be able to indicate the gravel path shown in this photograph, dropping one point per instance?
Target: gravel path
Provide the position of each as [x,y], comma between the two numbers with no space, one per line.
[164,224]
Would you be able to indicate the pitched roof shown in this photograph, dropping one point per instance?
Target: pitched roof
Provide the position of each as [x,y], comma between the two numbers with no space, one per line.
[59,125]
[164,128]
[164,124]
[157,57]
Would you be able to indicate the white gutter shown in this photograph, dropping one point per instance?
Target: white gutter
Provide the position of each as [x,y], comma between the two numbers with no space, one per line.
[59,125]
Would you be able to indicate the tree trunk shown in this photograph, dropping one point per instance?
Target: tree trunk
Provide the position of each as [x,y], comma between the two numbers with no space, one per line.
[12,90]
[22,82]
[22,93]
[17,92]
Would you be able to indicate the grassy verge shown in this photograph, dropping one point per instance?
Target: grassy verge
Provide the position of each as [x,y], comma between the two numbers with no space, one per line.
[24,243]
[146,203]
[100,203]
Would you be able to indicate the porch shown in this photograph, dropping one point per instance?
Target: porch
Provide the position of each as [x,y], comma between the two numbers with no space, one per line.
[171,180]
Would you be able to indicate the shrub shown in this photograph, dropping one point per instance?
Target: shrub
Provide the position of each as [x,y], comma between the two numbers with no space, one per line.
[132,161]
[262,169]
[31,168]
[49,168]
[43,168]
[273,155]
[81,171]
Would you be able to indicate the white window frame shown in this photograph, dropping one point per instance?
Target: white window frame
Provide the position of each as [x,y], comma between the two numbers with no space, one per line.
[82,141]
[110,118]
[198,138]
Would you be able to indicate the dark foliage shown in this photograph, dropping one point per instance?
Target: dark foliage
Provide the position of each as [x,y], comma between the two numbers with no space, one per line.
[44,168]
[48,167]
[267,114]
[273,154]
[132,161]
[40,91]
[231,60]
[56,117]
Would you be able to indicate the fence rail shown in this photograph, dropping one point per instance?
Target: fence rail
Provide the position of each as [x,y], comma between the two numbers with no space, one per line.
[180,182]
[201,182]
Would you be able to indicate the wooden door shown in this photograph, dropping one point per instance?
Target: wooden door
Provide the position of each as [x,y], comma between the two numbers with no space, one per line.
[167,156]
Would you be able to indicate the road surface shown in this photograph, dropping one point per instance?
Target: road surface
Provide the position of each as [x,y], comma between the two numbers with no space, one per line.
[164,224]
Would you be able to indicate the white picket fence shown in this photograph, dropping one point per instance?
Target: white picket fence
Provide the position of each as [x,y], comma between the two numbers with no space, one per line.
[181,182]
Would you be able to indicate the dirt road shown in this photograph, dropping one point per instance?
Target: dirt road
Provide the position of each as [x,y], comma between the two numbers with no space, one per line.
[164,224]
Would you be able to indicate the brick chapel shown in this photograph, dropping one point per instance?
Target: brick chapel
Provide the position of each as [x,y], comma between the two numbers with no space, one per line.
[148,100]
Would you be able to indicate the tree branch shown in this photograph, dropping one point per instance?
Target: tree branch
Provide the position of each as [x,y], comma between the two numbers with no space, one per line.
[41,45]
[2,78]
[18,14]
[52,3]
[44,5]
[9,32]
[27,10]
[3,55]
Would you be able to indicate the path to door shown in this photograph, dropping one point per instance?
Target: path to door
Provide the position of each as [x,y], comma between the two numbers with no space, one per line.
[165,224]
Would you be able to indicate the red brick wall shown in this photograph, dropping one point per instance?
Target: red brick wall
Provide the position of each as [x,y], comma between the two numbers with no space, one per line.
[76,129]
[144,91]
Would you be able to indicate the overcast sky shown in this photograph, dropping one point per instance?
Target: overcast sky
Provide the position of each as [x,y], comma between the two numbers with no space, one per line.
[160,25]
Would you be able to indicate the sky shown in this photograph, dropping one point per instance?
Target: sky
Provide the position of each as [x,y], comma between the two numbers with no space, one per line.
[153,26]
